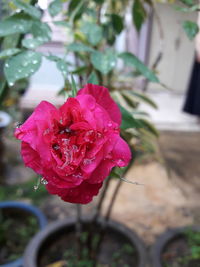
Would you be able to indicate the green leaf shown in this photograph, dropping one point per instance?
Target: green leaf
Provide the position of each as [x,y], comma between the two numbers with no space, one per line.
[62,23]
[187,9]
[117,23]
[32,43]
[10,41]
[55,8]
[128,121]
[149,127]
[74,88]
[93,78]
[63,67]
[9,52]
[138,14]
[80,70]
[104,61]
[93,32]
[190,28]
[79,47]
[41,31]
[132,61]
[22,66]
[28,9]
[144,98]
[188,2]
[15,24]
[2,89]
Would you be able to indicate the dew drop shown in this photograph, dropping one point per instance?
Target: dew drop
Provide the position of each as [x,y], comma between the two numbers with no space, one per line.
[43,181]
[11,83]
[35,187]
[6,65]
[35,62]
[110,124]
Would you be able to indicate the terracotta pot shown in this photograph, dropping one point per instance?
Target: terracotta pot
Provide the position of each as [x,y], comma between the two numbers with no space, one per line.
[48,239]
[24,210]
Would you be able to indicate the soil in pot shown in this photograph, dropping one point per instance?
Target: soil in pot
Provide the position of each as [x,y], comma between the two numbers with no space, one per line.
[17,227]
[182,251]
[116,250]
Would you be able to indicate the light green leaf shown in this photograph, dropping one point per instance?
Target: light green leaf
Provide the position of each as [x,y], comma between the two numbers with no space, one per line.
[128,121]
[190,28]
[32,43]
[104,61]
[22,66]
[41,31]
[63,67]
[15,24]
[79,47]
[9,52]
[149,127]
[144,98]
[28,9]
[132,61]
[93,78]
[187,9]
[93,32]
[74,88]
[55,8]
[138,14]
[62,23]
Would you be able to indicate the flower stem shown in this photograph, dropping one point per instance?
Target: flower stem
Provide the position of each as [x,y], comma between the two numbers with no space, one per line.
[78,230]
[104,223]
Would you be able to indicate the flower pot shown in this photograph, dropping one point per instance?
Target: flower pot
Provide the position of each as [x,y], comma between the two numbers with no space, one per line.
[24,216]
[172,248]
[59,237]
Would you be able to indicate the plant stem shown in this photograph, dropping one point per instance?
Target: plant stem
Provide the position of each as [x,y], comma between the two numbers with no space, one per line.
[78,230]
[101,199]
[104,223]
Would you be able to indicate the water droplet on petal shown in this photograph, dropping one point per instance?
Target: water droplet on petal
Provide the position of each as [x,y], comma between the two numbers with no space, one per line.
[43,181]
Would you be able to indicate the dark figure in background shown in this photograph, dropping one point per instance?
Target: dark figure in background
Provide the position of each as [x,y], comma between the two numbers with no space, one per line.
[192,102]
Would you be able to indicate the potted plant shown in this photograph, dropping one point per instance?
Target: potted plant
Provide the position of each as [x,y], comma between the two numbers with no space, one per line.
[19,222]
[178,247]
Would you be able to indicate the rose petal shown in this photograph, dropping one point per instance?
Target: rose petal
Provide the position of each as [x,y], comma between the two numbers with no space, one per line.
[121,153]
[102,96]
[81,194]
[101,172]
[31,158]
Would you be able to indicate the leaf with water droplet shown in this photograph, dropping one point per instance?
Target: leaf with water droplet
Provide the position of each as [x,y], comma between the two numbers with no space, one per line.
[63,67]
[28,9]
[32,43]
[21,66]
[104,61]
[9,52]
[41,31]
[17,23]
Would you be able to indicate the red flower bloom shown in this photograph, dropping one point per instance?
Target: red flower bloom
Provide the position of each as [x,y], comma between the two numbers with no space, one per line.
[75,147]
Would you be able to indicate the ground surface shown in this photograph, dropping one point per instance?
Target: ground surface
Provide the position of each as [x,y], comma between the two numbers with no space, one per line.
[169,197]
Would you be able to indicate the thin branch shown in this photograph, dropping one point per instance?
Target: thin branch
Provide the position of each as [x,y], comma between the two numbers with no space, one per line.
[78,230]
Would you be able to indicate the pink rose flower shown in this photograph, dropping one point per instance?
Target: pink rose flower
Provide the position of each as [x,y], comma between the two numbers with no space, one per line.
[75,147]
